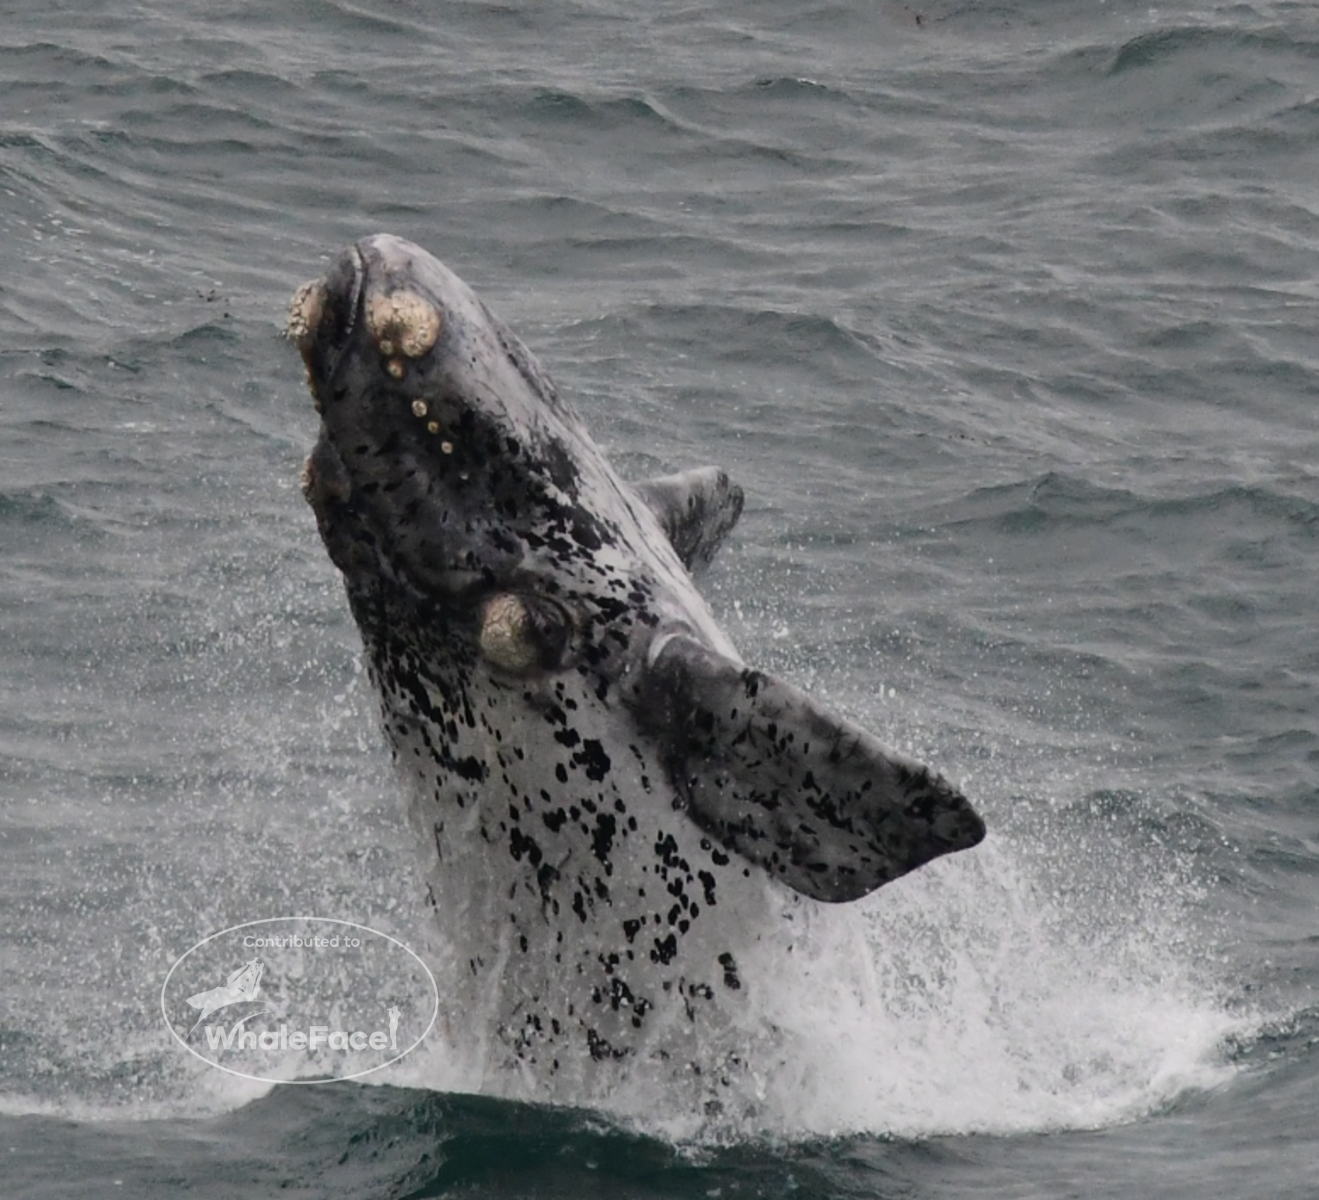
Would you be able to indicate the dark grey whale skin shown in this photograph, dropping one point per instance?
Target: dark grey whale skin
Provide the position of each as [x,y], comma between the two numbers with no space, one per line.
[612,807]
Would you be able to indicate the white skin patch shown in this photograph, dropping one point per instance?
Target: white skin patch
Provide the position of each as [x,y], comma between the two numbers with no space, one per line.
[504,629]
[305,314]
[402,322]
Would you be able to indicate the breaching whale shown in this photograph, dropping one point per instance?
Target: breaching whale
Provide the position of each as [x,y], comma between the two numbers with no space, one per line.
[622,824]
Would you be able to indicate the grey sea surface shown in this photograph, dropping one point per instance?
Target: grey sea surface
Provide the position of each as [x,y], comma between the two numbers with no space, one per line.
[1005,317]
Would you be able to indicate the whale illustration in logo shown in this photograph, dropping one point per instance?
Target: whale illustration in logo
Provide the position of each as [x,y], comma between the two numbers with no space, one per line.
[242,984]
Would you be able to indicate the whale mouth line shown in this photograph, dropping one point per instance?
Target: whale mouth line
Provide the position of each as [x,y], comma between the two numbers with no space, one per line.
[353,311]
[323,317]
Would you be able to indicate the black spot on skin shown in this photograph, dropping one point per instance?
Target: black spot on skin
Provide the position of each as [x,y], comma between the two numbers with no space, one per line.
[470,768]
[621,996]
[554,821]
[665,950]
[546,876]
[666,850]
[601,1049]
[593,758]
[602,839]
[588,531]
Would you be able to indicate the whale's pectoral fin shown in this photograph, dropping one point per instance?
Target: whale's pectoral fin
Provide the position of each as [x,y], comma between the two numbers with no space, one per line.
[815,800]
[696,508]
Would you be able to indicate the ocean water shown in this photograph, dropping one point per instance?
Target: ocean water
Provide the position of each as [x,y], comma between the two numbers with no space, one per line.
[1004,315]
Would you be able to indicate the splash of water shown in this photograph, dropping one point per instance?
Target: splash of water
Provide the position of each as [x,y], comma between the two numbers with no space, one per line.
[973,996]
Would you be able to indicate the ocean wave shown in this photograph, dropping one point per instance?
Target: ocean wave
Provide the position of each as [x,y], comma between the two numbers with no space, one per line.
[1067,498]
[1156,47]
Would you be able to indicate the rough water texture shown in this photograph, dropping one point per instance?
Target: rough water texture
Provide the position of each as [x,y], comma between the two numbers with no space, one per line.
[1004,319]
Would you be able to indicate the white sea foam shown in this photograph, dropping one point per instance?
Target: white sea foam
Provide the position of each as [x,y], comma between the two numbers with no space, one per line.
[958,1000]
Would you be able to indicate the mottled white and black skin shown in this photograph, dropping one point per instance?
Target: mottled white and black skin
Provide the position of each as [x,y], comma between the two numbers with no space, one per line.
[619,820]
